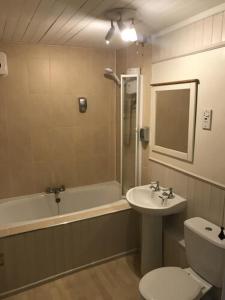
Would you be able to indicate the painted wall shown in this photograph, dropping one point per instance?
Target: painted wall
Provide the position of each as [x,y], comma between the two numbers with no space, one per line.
[44,139]
[209,146]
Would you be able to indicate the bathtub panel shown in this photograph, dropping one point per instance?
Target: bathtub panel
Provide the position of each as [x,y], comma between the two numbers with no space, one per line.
[37,255]
[2,270]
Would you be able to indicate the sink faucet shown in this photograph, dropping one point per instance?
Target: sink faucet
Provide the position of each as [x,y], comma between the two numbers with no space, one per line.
[168,193]
[155,186]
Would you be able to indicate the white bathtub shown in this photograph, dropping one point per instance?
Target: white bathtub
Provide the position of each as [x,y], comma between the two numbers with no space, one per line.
[26,213]
[37,244]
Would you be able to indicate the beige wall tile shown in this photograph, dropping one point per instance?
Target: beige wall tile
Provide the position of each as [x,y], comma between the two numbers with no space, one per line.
[39,110]
[43,176]
[62,143]
[22,178]
[38,75]
[42,133]
[41,144]
[5,182]
[66,171]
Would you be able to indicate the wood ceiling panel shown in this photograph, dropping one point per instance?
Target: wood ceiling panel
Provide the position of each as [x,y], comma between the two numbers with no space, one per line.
[13,14]
[70,11]
[4,14]
[83,12]
[56,10]
[42,13]
[72,22]
[28,10]
[89,37]
[87,26]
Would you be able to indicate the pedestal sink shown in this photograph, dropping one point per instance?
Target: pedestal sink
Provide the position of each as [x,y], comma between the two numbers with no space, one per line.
[152,207]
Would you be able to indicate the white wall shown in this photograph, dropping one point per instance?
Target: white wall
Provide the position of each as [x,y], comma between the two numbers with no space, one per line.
[209,152]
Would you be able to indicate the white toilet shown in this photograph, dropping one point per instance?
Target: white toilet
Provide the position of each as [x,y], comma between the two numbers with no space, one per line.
[205,254]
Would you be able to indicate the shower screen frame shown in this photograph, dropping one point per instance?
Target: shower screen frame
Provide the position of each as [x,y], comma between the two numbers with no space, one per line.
[137,163]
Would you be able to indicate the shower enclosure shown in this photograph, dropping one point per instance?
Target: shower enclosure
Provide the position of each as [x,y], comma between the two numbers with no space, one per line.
[130,156]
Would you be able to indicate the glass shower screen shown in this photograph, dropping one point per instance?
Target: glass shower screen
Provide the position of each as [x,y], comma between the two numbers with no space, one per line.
[129,131]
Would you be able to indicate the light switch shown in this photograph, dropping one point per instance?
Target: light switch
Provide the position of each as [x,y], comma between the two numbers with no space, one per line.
[207,119]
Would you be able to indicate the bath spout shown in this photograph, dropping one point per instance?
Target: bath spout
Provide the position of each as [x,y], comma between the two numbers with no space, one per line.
[55,190]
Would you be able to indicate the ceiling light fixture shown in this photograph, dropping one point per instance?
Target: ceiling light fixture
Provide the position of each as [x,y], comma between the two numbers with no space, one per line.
[121,24]
[124,18]
[109,34]
[129,34]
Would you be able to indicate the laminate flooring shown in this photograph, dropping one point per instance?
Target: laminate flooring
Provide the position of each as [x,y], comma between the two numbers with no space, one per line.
[114,280]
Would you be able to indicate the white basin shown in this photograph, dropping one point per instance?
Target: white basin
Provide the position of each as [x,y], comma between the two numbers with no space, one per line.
[146,201]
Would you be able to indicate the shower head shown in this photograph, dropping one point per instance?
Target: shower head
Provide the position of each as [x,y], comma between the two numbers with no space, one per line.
[108,73]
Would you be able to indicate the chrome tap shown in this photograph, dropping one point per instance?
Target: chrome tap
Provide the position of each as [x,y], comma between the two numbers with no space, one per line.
[168,193]
[155,186]
[56,190]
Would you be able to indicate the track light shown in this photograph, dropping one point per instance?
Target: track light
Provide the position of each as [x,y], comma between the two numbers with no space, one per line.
[129,34]
[121,24]
[110,33]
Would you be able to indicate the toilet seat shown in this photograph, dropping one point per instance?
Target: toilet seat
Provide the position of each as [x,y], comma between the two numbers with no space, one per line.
[169,283]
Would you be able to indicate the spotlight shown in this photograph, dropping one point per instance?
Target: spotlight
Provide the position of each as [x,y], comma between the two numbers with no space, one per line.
[129,34]
[109,34]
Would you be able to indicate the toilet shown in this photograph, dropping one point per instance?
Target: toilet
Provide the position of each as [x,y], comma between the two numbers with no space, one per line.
[205,255]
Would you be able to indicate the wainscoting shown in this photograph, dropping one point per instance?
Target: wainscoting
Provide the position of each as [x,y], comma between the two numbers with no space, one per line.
[203,200]
[202,35]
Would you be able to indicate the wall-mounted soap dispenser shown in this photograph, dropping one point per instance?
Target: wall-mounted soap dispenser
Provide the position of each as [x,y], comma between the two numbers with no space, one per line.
[82,102]
[3,64]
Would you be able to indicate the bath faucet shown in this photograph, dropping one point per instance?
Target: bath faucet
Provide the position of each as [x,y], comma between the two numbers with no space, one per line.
[55,190]
[155,186]
[168,193]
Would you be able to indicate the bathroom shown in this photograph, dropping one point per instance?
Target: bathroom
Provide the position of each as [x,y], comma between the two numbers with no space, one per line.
[81,137]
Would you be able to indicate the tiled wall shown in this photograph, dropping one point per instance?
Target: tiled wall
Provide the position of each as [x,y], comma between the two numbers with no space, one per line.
[44,139]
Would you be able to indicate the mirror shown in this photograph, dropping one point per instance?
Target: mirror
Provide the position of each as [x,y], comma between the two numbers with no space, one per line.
[173,119]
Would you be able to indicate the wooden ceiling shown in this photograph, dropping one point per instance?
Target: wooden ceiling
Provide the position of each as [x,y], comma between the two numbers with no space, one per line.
[82,23]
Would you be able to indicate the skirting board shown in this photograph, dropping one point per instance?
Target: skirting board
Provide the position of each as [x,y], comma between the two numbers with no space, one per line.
[57,276]
[215,183]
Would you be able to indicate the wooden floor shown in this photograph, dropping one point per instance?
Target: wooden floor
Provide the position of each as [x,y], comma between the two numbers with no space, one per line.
[114,280]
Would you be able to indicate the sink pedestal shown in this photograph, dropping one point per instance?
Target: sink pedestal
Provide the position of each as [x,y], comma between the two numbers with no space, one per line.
[151,243]
[152,208]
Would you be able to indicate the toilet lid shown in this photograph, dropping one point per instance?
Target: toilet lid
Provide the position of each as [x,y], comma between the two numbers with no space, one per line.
[169,283]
